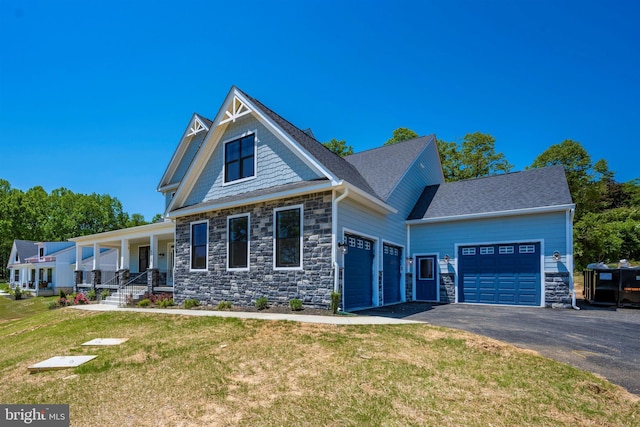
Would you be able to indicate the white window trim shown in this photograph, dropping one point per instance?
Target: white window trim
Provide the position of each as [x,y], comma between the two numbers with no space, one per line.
[275,213]
[229,218]
[191,224]
[255,157]
[487,250]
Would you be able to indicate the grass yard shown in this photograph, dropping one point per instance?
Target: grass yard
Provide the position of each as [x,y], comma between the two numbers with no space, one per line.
[183,371]
[11,309]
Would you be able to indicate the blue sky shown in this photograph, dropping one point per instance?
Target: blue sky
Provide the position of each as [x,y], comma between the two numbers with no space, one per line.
[94,95]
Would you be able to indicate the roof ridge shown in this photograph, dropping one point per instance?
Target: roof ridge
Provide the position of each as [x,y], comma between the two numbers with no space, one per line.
[496,175]
[391,145]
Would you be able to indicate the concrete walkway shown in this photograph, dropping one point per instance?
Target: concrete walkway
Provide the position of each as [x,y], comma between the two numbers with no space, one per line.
[327,320]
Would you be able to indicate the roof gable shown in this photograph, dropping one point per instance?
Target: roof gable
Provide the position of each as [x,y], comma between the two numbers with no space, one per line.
[327,165]
[384,167]
[525,190]
[186,150]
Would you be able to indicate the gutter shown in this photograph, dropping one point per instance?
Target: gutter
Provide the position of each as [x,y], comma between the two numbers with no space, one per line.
[334,231]
[495,214]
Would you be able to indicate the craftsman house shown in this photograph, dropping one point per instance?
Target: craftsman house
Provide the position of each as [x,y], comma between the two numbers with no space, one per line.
[257,207]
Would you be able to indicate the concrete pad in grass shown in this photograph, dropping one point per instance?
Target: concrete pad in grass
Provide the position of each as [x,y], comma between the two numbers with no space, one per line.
[60,362]
[106,341]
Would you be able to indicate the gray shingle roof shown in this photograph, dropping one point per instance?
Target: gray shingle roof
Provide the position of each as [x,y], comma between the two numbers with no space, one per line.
[534,188]
[383,167]
[336,164]
[26,249]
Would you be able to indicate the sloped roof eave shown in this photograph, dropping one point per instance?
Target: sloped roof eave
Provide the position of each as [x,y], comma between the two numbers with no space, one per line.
[495,214]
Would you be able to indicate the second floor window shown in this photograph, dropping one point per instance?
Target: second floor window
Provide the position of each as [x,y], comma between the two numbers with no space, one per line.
[239,158]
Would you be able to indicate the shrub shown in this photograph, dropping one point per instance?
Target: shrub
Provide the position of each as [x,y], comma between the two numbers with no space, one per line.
[224,305]
[144,302]
[164,303]
[17,294]
[52,305]
[105,294]
[295,304]
[262,303]
[91,295]
[335,301]
[62,294]
[190,303]
[80,299]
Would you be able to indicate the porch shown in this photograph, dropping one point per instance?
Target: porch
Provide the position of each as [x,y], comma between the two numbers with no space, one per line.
[35,276]
[142,256]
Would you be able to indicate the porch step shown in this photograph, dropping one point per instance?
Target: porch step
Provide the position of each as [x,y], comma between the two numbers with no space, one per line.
[136,291]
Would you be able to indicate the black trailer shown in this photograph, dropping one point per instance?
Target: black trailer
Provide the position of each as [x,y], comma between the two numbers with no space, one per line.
[612,286]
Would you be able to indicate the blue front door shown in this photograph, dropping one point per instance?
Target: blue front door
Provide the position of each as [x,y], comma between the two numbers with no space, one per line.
[426,278]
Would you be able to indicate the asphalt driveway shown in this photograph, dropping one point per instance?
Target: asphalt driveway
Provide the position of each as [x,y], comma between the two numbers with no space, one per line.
[602,340]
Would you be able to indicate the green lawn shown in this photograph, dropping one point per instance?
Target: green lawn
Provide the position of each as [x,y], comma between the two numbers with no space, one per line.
[11,309]
[181,370]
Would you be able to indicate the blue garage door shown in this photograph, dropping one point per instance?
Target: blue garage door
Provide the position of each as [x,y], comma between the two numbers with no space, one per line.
[500,274]
[358,273]
[391,257]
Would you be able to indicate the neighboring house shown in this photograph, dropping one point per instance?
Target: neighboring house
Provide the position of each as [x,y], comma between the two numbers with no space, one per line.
[257,207]
[45,268]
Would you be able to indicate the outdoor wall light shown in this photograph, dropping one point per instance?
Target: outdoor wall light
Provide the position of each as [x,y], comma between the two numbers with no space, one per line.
[447,259]
[556,256]
[409,260]
[343,247]
[160,255]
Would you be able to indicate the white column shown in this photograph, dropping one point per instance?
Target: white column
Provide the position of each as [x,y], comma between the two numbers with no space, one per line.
[79,257]
[153,251]
[96,256]
[124,254]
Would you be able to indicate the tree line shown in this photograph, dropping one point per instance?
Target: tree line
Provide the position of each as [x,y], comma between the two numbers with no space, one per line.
[607,219]
[57,216]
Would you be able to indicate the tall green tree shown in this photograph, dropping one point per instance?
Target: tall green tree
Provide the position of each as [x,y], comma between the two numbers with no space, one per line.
[475,156]
[401,134]
[60,215]
[587,181]
[339,147]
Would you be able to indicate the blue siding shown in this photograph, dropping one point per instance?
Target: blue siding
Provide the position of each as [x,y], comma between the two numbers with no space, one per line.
[362,220]
[276,165]
[425,171]
[187,157]
[442,237]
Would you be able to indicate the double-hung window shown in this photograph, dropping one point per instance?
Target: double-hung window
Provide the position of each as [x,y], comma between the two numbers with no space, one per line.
[288,237]
[238,242]
[199,240]
[239,158]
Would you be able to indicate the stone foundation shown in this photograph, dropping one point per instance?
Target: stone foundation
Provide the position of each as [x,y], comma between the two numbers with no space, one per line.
[447,288]
[557,290]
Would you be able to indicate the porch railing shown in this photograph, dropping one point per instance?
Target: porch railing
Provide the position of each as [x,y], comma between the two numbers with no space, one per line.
[128,291]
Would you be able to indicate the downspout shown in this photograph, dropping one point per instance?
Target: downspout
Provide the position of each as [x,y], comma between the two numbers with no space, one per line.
[571,266]
[334,229]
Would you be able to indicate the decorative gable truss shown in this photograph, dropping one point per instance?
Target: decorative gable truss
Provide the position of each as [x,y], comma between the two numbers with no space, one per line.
[236,109]
[196,127]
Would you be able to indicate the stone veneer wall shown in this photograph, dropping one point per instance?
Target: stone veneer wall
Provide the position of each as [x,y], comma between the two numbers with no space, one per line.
[557,290]
[313,284]
[447,287]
